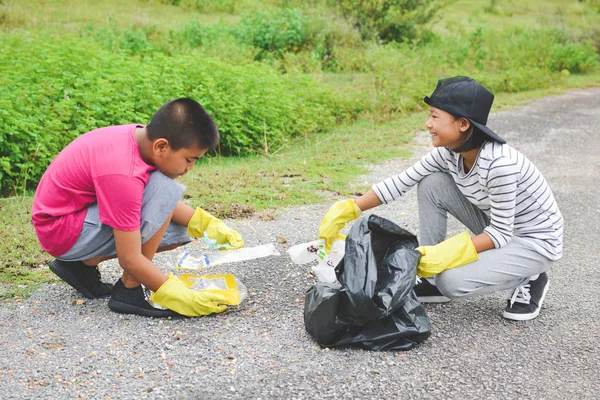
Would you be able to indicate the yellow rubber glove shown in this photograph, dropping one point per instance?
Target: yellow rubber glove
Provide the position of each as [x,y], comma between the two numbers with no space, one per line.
[451,253]
[174,295]
[203,223]
[336,218]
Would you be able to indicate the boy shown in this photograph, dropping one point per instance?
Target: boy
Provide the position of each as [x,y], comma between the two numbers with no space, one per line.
[112,193]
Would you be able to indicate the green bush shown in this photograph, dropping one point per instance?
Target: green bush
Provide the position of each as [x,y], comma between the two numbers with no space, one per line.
[192,35]
[129,41]
[216,40]
[393,78]
[594,4]
[574,57]
[56,90]
[274,32]
[391,20]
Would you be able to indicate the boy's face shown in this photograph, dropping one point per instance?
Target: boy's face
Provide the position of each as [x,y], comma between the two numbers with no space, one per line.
[444,129]
[174,163]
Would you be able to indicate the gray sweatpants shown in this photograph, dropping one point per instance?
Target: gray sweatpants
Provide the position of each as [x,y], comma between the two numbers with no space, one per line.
[497,269]
[161,194]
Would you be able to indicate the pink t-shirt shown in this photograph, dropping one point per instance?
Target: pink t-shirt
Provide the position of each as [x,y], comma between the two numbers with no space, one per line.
[103,166]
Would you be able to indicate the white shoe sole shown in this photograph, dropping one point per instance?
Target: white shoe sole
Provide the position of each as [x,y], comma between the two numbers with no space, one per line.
[433,299]
[527,317]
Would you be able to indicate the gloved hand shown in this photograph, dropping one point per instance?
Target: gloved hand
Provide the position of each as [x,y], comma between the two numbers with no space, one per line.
[451,253]
[336,218]
[203,222]
[174,295]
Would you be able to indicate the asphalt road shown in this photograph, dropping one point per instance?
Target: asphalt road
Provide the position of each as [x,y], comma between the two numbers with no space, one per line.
[53,347]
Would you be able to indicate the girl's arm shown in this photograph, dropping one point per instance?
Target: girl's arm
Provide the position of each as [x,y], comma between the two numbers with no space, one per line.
[482,242]
[368,200]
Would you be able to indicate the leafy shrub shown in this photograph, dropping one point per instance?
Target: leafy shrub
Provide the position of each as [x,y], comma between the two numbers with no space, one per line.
[130,41]
[391,20]
[594,4]
[274,32]
[192,35]
[56,90]
[214,40]
[574,57]
[393,78]
[328,34]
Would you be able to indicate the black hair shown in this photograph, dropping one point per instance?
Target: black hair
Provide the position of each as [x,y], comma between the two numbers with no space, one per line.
[474,138]
[184,123]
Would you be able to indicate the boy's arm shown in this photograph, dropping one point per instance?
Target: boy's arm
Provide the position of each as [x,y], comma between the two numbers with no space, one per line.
[134,262]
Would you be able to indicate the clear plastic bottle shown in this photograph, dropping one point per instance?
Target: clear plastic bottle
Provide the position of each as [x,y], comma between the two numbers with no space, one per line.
[189,261]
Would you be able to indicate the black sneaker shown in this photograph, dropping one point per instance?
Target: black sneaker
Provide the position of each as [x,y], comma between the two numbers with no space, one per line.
[135,301]
[428,293]
[83,278]
[526,300]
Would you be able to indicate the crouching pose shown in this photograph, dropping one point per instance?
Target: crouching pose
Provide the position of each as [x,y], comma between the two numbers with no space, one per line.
[487,185]
[112,193]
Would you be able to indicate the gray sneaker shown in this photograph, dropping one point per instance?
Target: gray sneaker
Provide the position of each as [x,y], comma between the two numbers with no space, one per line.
[526,301]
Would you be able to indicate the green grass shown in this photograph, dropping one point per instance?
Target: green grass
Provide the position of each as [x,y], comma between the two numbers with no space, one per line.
[504,14]
[71,16]
[22,262]
[304,171]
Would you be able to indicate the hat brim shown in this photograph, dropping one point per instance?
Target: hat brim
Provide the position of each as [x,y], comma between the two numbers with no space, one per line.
[487,131]
[484,129]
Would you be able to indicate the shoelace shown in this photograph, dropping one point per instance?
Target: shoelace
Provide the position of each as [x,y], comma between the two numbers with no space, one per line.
[97,273]
[520,295]
[98,282]
[417,280]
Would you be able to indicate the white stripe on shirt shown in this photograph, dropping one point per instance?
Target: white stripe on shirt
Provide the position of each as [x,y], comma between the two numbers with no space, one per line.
[504,184]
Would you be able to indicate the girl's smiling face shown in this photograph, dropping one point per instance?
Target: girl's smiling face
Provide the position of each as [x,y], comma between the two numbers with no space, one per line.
[445,130]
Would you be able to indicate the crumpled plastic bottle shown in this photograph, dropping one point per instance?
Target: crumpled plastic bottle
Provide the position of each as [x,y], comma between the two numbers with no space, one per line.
[309,252]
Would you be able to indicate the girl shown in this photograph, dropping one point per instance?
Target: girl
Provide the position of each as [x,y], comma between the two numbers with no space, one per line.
[494,190]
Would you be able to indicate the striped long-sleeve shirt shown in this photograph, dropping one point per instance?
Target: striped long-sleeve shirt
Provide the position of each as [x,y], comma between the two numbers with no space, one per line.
[504,184]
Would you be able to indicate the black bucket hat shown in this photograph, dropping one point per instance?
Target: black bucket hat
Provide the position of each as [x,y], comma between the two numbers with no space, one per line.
[465,97]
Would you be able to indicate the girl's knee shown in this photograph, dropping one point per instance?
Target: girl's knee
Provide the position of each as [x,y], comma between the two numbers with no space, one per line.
[437,181]
[451,285]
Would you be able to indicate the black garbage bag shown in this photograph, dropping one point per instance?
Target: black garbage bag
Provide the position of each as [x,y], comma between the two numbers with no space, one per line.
[375,308]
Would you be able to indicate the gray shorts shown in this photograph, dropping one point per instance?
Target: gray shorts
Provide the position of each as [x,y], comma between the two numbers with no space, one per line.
[161,194]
